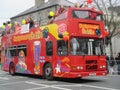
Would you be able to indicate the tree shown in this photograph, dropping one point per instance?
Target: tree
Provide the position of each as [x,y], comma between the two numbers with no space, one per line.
[112,21]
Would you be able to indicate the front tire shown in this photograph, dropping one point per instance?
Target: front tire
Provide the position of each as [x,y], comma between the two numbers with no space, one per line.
[12,69]
[48,71]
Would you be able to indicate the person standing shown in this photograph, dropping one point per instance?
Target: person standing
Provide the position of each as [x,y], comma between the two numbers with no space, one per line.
[30,22]
[118,62]
[111,64]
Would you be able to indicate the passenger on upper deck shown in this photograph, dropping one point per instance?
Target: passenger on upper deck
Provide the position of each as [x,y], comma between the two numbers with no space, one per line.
[17,27]
[52,15]
[59,11]
[76,5]
[30,21]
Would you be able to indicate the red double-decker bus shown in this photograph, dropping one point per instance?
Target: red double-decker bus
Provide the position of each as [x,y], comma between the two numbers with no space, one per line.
[72,46]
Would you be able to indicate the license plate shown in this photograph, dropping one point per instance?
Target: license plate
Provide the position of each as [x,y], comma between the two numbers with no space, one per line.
[92,74]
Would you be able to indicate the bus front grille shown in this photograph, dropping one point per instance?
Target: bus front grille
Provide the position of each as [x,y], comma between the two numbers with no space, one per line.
[91,65]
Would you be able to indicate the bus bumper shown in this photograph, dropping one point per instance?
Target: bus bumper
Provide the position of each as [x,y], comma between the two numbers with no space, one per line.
[84,74]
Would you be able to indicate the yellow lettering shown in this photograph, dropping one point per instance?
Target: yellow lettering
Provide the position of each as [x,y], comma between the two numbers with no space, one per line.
[88,31]
[30,36]
[89,26]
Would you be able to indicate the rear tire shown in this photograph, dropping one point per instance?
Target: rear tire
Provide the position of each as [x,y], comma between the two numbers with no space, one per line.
[12,69]
[48,72]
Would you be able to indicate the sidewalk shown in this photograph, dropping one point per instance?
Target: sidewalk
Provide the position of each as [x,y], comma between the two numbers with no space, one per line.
[113,70]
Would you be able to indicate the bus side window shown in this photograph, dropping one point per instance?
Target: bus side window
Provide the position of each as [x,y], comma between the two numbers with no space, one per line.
[13,51]
[62,47]
[22,48]
[49,48]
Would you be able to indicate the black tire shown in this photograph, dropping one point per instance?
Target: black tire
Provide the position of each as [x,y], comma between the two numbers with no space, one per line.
[12,69]
[48,72]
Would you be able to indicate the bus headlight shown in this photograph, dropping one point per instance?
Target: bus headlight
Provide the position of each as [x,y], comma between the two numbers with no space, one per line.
[102,66]
[80,67]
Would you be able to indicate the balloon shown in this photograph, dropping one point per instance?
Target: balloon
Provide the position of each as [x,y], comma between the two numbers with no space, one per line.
[7,28]
[51,13]
[65,38]
[89,1]
[106,33]
[23,21]
[65,33]
[60,35]
[4,23]
[3,26]
[8,22]
[10,25]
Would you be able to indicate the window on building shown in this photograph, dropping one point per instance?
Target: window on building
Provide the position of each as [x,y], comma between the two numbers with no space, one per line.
[49,48]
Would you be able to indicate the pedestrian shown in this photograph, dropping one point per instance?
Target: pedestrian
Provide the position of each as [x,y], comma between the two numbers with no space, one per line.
[118,62]
[107,63]
[111,64]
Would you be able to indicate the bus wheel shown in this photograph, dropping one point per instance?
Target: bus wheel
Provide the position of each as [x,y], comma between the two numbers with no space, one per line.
[12,69]
[48,72]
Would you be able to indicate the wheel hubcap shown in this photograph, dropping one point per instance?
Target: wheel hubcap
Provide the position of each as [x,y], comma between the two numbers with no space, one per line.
[48,71]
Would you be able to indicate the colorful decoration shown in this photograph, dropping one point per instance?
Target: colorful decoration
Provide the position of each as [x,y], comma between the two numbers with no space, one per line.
[45,32]
[7,57]
[42,59]
[51,13]
[37,48]
[60,35]
[62,67]
[98,32]
[89,1]
[10,25]
[21,66]
[65,38]
[62,28]
[23,21]
[3,26]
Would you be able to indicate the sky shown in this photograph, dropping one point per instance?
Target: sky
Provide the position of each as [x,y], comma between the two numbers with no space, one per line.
[10,8]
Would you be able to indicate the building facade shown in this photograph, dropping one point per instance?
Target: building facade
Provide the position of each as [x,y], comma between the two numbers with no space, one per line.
[40,11]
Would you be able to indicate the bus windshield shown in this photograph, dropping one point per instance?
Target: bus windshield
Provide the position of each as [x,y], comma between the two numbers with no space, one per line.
[87,15]
[83,46]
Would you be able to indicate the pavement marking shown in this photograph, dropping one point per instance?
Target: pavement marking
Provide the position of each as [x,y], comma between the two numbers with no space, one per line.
[37,88]
[85,85]
[4,78]
[105,88]
[44,86]
[43,82]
